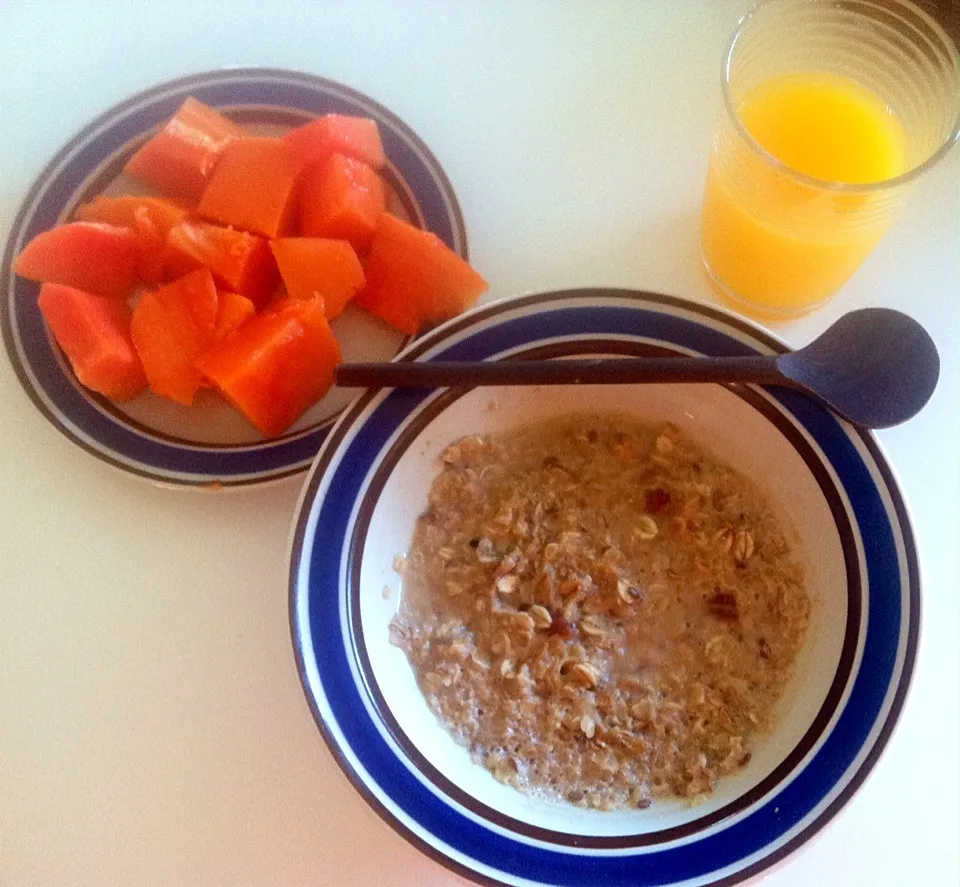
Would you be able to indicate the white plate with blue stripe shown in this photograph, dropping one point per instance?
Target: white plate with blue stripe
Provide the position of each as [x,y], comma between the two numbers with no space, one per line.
[207,444]
[358,510]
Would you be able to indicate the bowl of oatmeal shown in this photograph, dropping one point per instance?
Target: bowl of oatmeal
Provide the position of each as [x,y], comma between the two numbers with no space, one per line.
[602,634]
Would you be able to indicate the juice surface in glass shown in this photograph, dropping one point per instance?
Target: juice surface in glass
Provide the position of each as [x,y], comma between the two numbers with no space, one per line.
[774,240]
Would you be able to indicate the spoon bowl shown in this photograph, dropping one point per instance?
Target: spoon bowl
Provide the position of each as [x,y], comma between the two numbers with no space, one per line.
[876,367]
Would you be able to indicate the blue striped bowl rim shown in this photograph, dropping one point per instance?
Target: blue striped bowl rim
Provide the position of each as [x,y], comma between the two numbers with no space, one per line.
[789,807]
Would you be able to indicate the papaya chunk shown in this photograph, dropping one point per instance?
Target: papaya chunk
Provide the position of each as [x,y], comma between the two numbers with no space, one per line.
[414,280]
[171,326]
[239,261]
[122,211]
[253,187]
[341,198]
[358,137]
[91,256]
[313,266]
[179,159]
[94,333]
[275,366]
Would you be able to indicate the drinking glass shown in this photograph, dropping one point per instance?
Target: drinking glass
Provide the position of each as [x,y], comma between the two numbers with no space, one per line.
[777,240]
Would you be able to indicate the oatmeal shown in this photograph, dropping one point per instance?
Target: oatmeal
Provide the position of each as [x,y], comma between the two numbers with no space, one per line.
[599,610]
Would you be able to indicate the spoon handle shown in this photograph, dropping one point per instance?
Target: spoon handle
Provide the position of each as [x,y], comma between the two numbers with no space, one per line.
[590,371]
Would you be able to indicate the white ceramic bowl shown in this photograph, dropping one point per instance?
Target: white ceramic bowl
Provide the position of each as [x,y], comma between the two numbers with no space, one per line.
[358,511]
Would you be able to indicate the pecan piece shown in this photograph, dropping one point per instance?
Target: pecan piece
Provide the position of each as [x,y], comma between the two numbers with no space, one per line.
[560,625]
[657,499]
[723,605]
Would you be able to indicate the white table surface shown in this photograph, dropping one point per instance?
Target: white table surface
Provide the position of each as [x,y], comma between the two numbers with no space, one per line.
[152,726]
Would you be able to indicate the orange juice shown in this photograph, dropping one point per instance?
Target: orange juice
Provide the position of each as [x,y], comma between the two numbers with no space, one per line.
[781,242]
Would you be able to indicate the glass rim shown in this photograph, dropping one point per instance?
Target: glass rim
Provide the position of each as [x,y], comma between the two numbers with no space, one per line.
[828,184]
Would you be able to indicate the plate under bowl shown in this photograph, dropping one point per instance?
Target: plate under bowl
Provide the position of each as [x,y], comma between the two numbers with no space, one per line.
[207,444]
[369,484]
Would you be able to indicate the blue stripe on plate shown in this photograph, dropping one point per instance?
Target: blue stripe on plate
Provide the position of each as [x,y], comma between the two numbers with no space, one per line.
[767,826]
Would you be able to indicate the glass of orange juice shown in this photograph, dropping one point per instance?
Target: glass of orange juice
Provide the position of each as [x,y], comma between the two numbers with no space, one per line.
[832,108]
